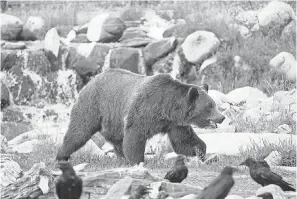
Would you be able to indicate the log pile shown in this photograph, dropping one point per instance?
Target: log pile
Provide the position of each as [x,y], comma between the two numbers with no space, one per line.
[39,182]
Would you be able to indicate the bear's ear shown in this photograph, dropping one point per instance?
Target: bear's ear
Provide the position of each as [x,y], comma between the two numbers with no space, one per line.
[205,87]
[193,94]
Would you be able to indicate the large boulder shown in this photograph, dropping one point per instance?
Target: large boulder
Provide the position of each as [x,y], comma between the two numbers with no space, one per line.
[52,41]
[275,190]
[219,97]
[275,16]
[131,33]
[247,18]
[29,59]
[91,52]
[125,58]
[249,96]
[11,27]
[8,59]
[104,28]
[86,68]
[34,29]
[23,92]
[136,42]
[179,30]
[285,64]
[156,50]
[199,46]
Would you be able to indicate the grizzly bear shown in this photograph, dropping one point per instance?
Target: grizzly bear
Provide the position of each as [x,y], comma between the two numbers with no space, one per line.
[128,109]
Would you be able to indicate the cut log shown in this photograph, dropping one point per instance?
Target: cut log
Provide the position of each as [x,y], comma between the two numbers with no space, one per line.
[120,188]
[28,186]
[39,182]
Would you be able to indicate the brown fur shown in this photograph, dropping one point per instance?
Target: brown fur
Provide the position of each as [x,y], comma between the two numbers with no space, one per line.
[128,109]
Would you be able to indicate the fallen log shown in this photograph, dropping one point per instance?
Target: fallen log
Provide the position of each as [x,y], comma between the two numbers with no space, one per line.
[39,182]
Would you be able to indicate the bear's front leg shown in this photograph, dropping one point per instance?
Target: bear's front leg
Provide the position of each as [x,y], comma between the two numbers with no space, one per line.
[185,141]
[134,144]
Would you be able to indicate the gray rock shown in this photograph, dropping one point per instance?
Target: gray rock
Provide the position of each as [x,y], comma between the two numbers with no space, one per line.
[52,41]
[125,58]
[8,59]
[104,28]
[11,27]
[156,50]
[285,64]
[179,30]
[252,97]
[275,16]
[81,38]
[131,33]
[275,190]
[34,29]
[136,42]
[94,53]
[86,68]
[283,129]
[199,46]
[23,90]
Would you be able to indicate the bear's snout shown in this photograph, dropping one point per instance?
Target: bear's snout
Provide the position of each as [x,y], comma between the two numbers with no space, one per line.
[220,119]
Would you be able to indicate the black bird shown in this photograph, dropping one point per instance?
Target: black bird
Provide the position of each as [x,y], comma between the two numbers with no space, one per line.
[264,163]
[178,172]
[220,186]
[266,195]
[69,185]
[264,176]
[139,192]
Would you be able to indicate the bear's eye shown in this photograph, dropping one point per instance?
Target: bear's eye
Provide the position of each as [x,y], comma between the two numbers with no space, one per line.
[210,105]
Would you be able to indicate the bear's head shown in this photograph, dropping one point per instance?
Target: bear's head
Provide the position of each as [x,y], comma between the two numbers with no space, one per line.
[202,110]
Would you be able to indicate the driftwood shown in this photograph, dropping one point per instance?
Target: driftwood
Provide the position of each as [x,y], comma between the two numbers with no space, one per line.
[39,182]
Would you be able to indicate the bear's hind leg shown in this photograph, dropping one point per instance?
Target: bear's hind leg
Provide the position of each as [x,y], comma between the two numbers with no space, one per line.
[80,130]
